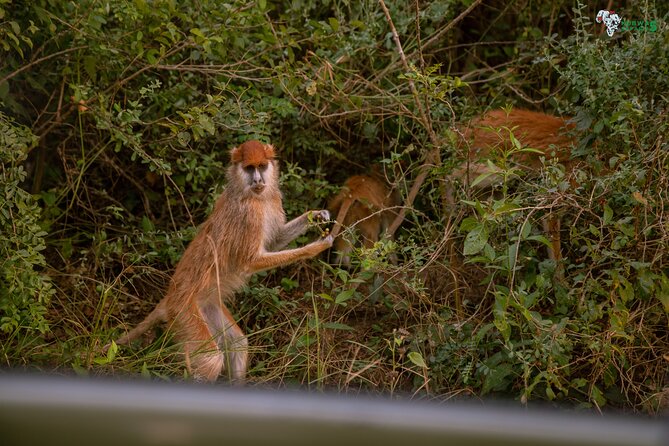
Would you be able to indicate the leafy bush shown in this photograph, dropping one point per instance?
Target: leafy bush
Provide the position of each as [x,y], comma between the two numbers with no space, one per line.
[24,289]
[586,336]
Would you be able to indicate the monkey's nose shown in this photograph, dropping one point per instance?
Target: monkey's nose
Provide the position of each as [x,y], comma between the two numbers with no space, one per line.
[257,178]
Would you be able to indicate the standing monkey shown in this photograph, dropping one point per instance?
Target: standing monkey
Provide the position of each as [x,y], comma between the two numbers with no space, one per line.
[243,235]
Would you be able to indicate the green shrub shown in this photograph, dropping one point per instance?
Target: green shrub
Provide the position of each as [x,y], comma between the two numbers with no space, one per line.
[24,288]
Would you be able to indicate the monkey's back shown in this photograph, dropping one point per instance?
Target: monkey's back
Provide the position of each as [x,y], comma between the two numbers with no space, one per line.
[370,194]
[532,129]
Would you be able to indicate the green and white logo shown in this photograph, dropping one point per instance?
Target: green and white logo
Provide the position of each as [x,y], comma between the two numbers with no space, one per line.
[614,23]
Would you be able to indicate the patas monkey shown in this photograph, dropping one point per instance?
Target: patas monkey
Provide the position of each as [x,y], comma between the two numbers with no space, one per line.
[241,236]
[365,203]
[539,131]
[545,133]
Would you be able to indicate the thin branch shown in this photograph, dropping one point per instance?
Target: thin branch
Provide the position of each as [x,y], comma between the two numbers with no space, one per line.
[439,34]
[432,157]
[40,60]
[435,38]
[412,85]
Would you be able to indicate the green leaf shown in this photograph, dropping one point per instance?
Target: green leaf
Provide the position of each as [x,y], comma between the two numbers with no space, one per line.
[608,214]
[111,354]
[197,32]
[626,290]
[79,370]
[145,371]
[289,284]
[541,239]
[337,326]
[597,396]
[503,207]
[481,178]
[152,56]
[147,225]
[496,378]
[525,230]
[344,296]
[512,254]
[334,24]
[489,252]
[207,124]
[183,138]
[663,292]
[325,296]
[468,223]
[475,240]
[417,359]
[305,341]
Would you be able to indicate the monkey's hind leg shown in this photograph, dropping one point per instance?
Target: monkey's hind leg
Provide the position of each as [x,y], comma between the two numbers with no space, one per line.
[230,339]
[236,346]
[204,360]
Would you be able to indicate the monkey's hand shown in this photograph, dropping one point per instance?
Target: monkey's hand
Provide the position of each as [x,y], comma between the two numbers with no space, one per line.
[317,246]
[328,240]
[320,216]
[324,242]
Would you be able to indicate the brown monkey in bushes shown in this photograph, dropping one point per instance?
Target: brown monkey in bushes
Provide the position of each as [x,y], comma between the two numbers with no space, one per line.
[365,203]
[548,135]
[243,235]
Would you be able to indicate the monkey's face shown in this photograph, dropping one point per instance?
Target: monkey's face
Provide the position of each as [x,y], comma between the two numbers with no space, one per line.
[255,166]
[257,176]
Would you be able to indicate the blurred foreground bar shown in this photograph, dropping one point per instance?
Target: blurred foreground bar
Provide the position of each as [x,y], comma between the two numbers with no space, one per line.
[48,410]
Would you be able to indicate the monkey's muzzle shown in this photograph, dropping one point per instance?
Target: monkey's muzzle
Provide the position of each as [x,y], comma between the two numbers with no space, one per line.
[258,188]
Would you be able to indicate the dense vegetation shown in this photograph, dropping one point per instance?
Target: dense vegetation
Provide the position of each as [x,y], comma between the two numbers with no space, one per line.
[116,118]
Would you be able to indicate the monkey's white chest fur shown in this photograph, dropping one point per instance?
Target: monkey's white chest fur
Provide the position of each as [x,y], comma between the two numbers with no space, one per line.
[272,222]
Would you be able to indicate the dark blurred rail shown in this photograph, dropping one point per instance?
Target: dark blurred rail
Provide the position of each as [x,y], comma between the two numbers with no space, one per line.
[44,410]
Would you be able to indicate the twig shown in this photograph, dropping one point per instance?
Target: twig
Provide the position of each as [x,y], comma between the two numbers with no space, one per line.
[432,157]
[435,37]
[448,27]
[40,60]
[412,85]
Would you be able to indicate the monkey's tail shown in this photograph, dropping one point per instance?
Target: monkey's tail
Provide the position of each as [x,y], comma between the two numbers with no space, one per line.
[159,314]
[344,204]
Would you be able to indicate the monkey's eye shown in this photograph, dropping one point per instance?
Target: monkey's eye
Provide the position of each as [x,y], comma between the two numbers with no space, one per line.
[249,168]
[262,167]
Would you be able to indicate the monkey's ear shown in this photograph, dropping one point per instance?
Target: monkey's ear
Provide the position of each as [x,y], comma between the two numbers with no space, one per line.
[270,152]
[236,155]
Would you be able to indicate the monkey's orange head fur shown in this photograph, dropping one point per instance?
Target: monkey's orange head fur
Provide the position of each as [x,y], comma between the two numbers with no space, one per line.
[252,153]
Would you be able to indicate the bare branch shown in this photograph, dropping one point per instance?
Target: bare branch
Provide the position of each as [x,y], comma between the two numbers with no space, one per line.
[432,158]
